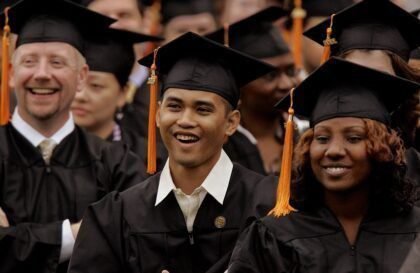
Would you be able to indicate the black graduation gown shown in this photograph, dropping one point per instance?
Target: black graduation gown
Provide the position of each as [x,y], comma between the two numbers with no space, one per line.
[37,198]
[315,243]
[136,114]
[138,145]
[132,235]
[241,150]
[413,165]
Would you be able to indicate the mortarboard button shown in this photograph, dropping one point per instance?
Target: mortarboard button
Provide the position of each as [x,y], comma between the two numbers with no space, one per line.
[220,222]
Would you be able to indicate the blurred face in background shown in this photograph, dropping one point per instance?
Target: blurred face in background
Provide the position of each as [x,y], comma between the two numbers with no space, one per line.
[235,10]
[311,50]
[128,16]
[375,59]
[262,94]
[201,23]
[126,12]
[94,107]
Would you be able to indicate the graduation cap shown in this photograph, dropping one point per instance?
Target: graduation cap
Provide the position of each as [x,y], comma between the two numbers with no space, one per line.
[255,35]
[174,8]
[113,52]
[416,13]
[415,54]
[338,89]
[341,88]
[54,21]
[45,21]
[193,62]
[304,9]
[370,24]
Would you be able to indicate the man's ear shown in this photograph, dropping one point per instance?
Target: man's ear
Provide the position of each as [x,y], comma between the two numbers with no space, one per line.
[233,121]
[158,114]
[82,77]
[11,76]
[122,96]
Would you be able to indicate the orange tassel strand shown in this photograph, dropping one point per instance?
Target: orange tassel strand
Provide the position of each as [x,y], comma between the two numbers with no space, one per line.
[5,92]
[282,206]
[155,10]
[298,14]
[151,140]
[149,47]
[328,42]
[226,34]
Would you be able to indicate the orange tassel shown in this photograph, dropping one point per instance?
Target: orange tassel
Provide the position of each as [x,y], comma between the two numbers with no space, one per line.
[5,92]
[282,206]
[151,140]
[154,24]
[298,14]
[226,34]
[328,42]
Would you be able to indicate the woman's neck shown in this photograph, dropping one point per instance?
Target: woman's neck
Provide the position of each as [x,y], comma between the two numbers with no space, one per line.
[260,125]
[349,208]
[103,131]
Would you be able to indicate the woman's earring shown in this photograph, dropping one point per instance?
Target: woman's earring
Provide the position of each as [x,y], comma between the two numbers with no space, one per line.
[119,115]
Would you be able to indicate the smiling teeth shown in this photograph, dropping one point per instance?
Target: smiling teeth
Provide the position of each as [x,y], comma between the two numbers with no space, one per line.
[42,91]
[186,138]
[335,170]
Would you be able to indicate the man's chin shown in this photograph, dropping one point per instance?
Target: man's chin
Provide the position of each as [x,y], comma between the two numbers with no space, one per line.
[43,116]
[185,162]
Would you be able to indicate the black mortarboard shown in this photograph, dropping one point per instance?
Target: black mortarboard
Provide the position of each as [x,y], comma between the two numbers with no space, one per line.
[113,52]
[255,35]
[140,3]
[371,24]
[54,21]
[197,63]
[415,54]
[174,8]
[416,13]
[343,89]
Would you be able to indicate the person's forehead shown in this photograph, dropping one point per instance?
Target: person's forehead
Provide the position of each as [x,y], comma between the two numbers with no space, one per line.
[115,6]
[100,75]
[340,123]
[280,60]
[49,48]
[193,19]
[375,59]
[192,96]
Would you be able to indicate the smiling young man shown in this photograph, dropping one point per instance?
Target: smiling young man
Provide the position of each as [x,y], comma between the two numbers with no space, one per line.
[50,169]
[186,218]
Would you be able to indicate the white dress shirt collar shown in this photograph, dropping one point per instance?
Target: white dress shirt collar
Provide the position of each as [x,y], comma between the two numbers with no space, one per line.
[35,137]
[247,133]
[216,182]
